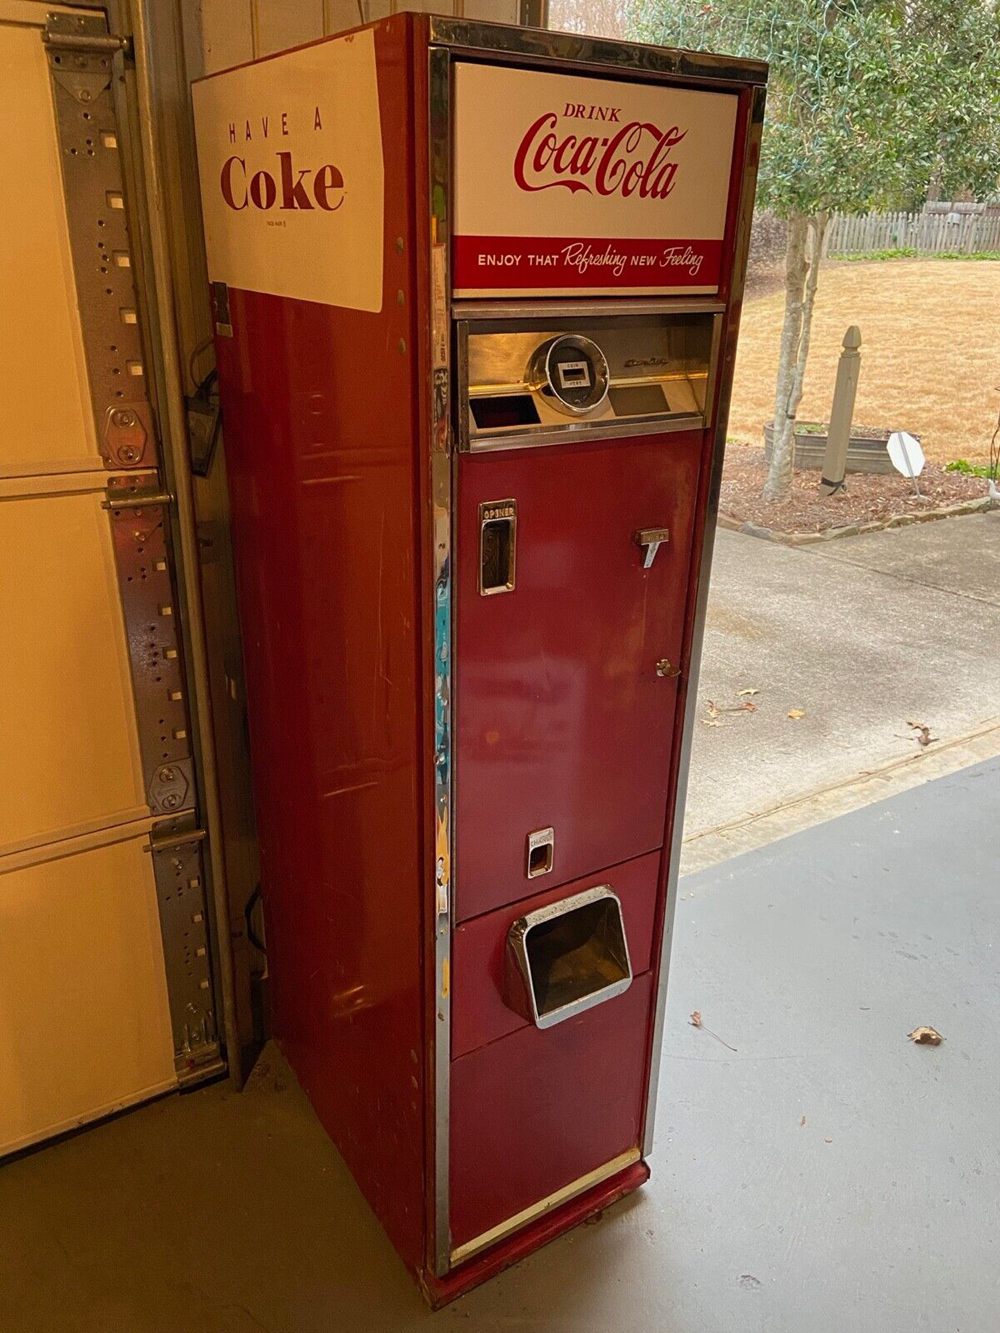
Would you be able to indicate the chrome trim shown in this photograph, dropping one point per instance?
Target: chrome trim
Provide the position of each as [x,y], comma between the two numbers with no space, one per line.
[560,1196]
[573,433]
[614,382]
[747,192]
[547,308]
[442,464]
[498,511]
[544,370]
[598,422]
[529,44]
[543,837]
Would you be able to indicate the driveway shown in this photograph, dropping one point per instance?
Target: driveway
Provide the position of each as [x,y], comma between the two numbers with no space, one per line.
[862,635]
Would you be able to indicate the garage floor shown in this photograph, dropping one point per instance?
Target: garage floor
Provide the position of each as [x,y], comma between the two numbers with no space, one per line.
[826,1175]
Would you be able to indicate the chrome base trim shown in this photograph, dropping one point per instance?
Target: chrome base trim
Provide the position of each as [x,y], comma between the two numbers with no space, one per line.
[471,1247]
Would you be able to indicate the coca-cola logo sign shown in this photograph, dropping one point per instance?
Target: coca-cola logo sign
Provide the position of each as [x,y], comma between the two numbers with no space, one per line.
[588,185]
[634,159]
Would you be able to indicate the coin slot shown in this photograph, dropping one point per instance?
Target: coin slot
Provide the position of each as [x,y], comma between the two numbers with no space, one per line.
[574,375]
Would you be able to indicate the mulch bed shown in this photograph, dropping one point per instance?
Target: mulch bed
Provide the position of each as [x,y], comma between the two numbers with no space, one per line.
[868,499]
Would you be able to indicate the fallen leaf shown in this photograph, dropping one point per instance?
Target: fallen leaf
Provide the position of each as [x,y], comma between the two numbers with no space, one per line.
[828,1140]
[923,736]
[710,722]
[796,713]
[711,709]
[695,1021]
[748,707]
[740,694]
[926,1036]
[802,1122]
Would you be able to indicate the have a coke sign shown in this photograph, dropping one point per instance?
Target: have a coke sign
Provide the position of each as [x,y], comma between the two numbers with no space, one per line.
[566,183]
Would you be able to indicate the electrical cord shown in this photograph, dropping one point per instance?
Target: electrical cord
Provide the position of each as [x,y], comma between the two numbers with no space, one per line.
[252,935]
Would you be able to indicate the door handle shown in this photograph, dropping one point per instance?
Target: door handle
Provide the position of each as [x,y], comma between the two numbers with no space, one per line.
[665,667]
[649,540]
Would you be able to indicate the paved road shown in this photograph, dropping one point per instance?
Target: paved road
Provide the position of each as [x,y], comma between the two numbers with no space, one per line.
[865,634]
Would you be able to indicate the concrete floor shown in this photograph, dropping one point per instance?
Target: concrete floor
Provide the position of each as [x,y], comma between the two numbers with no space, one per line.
[828,1175]
[865,634]
[224,1213]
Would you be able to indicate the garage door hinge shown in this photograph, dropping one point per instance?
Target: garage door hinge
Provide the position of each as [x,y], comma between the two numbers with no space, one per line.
[81,32]
[164,835]
[135,497]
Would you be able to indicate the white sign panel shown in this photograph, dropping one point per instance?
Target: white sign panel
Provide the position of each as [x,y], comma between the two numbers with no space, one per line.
[568,183]
[292,181]
[905,453]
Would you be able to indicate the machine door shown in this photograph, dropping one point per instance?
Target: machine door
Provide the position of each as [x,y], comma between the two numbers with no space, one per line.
[572,574]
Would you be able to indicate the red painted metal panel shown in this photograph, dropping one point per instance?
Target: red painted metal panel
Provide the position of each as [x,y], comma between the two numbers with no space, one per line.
[541,1108]
[480,1013]
[325,527]
[561,717]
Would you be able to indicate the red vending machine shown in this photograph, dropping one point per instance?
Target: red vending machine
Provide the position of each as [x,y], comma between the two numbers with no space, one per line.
[476,293]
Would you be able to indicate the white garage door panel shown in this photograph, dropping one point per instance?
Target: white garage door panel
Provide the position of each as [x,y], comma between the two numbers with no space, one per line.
[68,745]
[84,1023]
[105,980]
[48,422]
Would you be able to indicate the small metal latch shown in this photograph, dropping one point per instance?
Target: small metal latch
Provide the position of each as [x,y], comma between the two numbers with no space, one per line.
[650,540]
[665,667]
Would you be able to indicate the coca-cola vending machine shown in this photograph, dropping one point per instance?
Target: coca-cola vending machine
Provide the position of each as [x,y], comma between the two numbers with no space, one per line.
[476,294]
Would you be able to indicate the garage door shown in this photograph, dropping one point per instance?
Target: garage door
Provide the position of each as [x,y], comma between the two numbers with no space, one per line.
[106,993]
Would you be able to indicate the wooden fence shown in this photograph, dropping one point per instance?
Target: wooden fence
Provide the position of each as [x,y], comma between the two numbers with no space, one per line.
[927,233]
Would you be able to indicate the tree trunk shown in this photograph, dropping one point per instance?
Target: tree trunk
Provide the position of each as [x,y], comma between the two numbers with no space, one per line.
[802,260]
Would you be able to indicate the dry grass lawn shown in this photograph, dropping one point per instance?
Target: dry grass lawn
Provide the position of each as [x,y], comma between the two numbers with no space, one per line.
[930,347]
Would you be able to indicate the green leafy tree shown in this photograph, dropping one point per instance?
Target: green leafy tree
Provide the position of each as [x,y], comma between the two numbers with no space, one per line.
[871,105]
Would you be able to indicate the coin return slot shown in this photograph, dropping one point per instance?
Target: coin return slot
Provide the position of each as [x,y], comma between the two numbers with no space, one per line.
[568,957]
[541,850]
[497,546]
[539,861]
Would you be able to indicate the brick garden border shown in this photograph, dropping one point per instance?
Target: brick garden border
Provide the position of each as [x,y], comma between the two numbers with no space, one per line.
[853,529]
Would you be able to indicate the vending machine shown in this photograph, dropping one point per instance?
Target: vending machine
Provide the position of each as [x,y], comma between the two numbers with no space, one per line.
[476,294]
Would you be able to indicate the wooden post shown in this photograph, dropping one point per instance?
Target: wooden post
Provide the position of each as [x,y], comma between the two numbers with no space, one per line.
[841,414]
